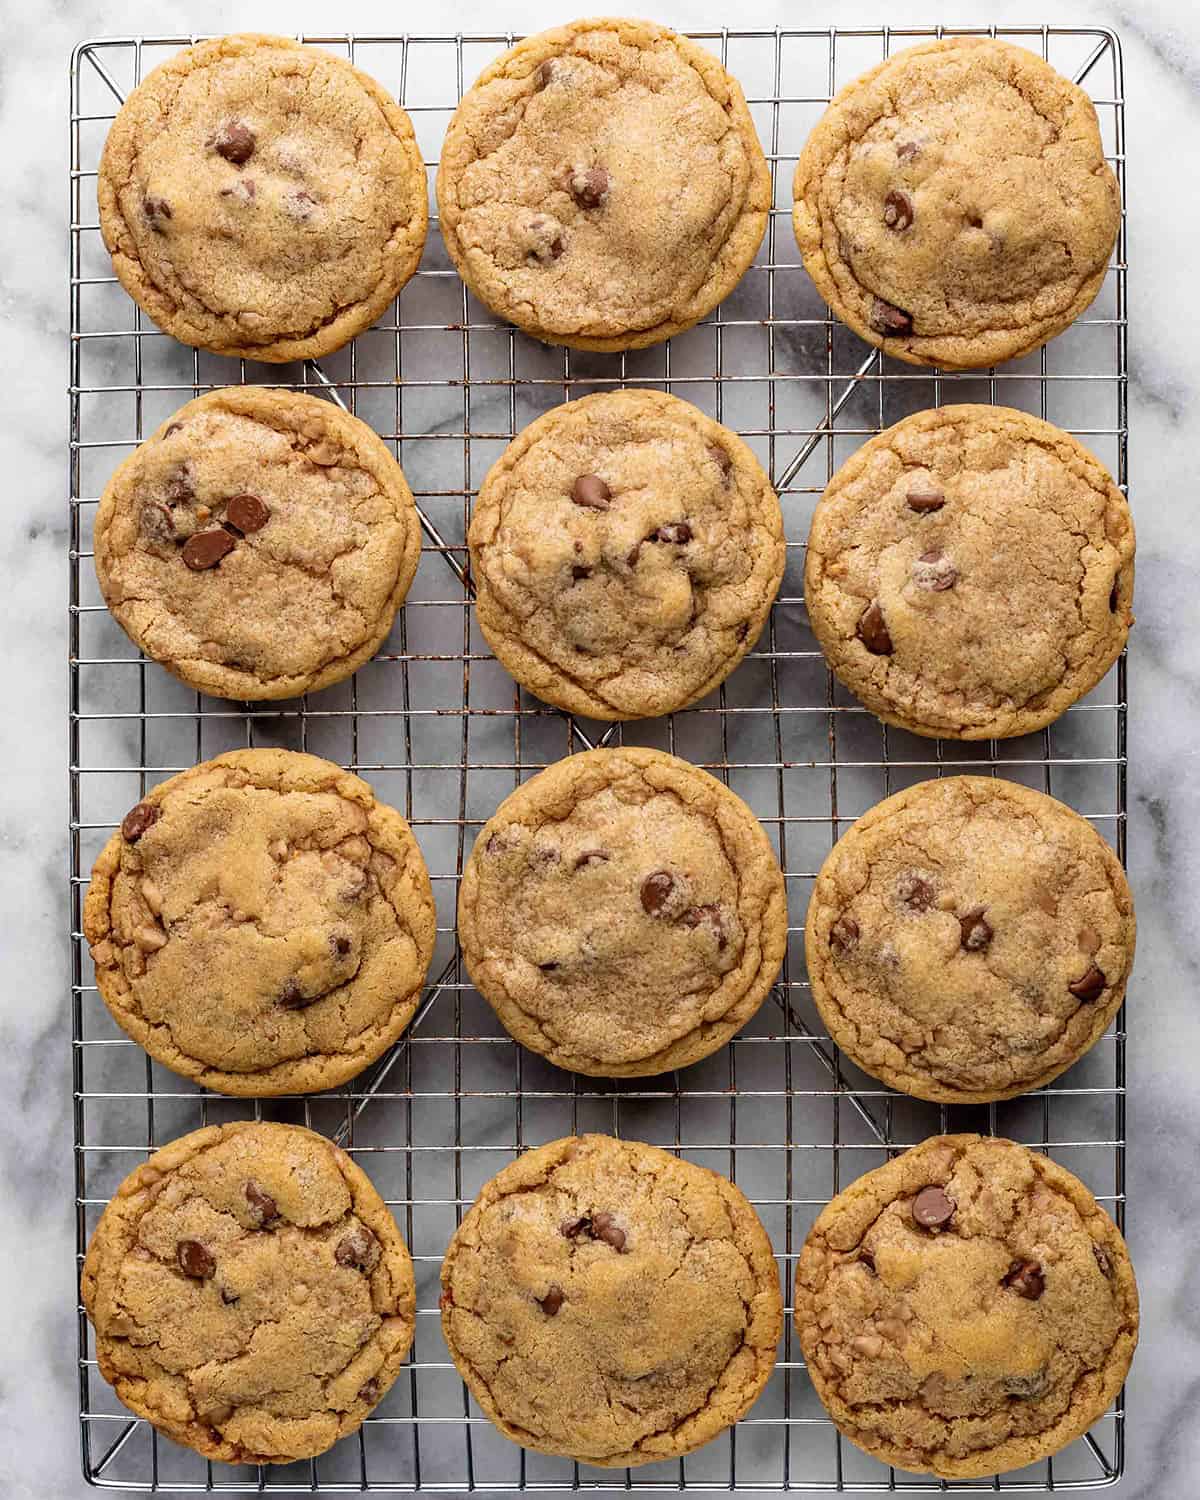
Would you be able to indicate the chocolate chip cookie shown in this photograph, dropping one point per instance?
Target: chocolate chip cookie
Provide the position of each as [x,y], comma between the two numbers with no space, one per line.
[966,1309]
[953,205]
[970,573]
[626,550]
[968,939]
[623,913]
[601,185]
[262,199]
[606,1301]
[261,924]
[250,1293]
[259,544]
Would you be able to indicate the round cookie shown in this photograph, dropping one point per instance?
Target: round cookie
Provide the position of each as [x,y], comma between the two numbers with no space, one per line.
[970,573]
[953,205]
[623,913]
[608,1302]
[966,1309]
[969,939]
[626,550]
[250,1293]
[601,185]
[258,545]
[261,923]
[262,199]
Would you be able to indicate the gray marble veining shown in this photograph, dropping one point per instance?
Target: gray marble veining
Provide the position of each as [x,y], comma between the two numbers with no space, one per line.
[38,1379]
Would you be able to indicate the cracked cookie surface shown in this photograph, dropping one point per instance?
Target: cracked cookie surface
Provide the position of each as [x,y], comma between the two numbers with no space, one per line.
[966,1309]
[262,199]
[250,1293]
[626,550]
[969,939]
[258,545]
[970,573]
[601,185]
[261,923]
[623,913]
[953,205]
[607,1301]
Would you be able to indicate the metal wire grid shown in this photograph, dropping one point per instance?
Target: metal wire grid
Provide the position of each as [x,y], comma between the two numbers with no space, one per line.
[443,734]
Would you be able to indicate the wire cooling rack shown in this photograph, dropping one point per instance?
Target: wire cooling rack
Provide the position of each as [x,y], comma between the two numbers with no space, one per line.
[441,732]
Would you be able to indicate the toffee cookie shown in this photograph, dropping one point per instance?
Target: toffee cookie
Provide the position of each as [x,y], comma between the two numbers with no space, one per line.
[601,185]
[953,205]
[258,545]
[250,1293]
[261,924]
[970,573]
[262,199]
[626,550]
[966,1309]
[623,913]
[969,939]
[606,1301]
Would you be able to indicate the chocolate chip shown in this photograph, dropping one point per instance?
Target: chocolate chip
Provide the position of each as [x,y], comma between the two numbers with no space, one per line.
[889,320]
[548,968]
[138,819]
[340,945]
[932,1209]
[552,1301]
[205,549]
[924,501]
[1026,1279]
[571,1229]
[589,189]
[591,857]
[235,142]
[1112,598]
[358,1248]
[590,490]
[230,1299]
[156,523]
[844,933]
[179,489]
[578,573]
[873,632]
[631,556]
[1090,987]
[656,891]
[1102,1258]
[678,532]
[261,1203]
[543,73]
[898,211]
[604,1228]
[369,1392]
[292,997]
[709,916]
[156,210]
[194,1259]
[934,571]
[915,892]
[907,149]
[976,933]
[247,513]
[722,459]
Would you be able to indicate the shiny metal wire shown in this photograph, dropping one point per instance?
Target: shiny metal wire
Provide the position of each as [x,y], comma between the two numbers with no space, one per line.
[443,734]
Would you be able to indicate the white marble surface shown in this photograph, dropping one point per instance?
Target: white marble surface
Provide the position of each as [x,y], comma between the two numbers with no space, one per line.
[38,1382]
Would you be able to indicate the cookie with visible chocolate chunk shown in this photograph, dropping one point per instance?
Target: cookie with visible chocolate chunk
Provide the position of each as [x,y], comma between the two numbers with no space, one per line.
[626,550]
[250,1293]
[969,573]
[608,1302]
[966,1309]
[261,923]
[623,913]
[262,199]
[953,205]
[969,939]
[601,184]
[259,544]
